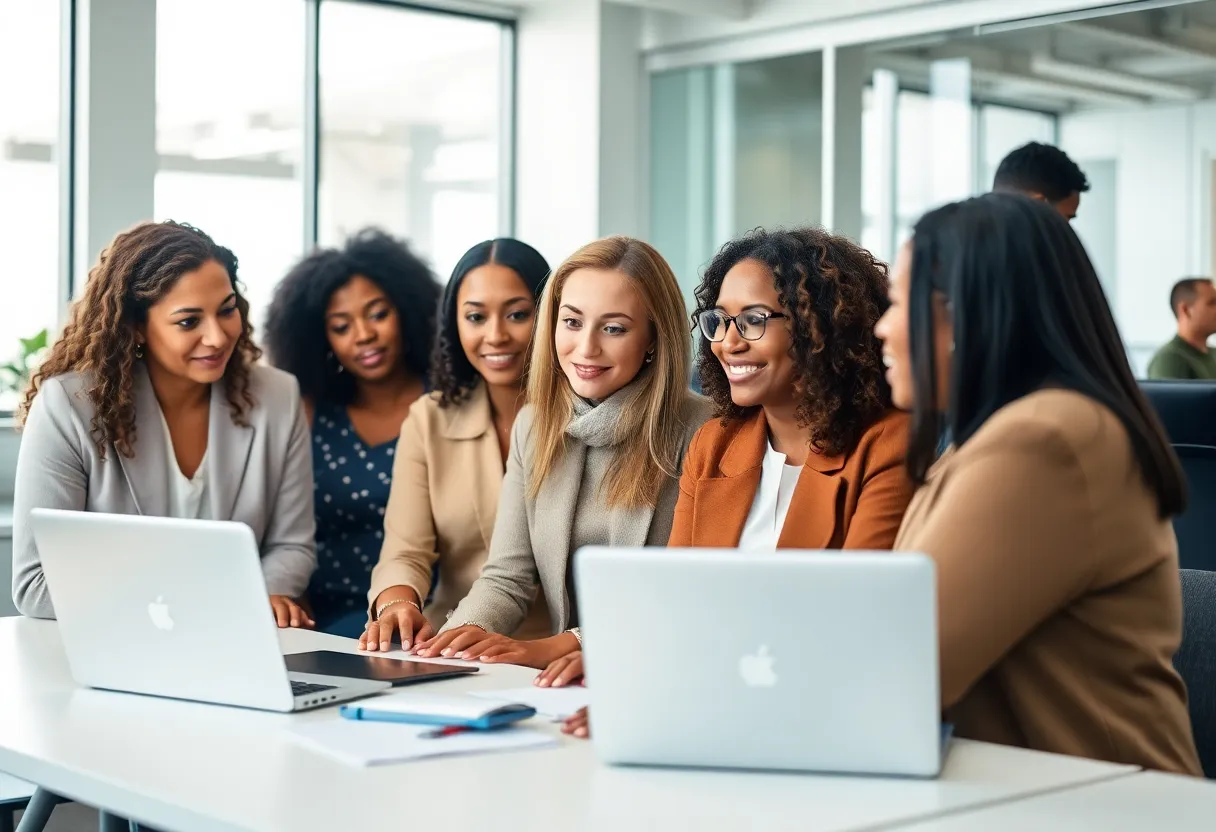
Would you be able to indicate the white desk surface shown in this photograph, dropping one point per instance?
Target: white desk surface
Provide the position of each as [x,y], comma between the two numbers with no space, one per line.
[183,766]
[1144,801]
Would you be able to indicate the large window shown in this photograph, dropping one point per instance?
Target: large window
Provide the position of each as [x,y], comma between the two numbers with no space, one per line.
[412,136]
[229,129]
[29,183]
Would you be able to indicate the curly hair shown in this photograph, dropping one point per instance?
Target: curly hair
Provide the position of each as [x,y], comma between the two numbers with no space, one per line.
[834,292]
[133,273]
[295,321]
[452,376]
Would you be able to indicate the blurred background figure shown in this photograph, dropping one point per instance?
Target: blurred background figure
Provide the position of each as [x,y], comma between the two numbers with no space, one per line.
[1186,355]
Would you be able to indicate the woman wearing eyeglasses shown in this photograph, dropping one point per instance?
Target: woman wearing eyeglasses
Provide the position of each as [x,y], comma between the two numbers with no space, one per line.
[806,451]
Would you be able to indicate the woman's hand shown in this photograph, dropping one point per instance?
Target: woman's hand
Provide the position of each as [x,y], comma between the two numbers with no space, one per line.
[474,644]
[287,613]
[577,725]
[567,670]
[402,617]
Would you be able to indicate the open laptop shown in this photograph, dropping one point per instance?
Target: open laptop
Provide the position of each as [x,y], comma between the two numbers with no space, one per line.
[795,660]
[174,608]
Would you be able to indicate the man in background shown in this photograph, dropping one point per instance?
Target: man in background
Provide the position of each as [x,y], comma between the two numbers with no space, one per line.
[1043,172]
[1187,356]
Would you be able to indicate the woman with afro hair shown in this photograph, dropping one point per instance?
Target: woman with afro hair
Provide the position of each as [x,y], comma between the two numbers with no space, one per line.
[354,325]
[453,448]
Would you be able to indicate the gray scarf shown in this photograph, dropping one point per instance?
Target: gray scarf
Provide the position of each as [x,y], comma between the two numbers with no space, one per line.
[597,425]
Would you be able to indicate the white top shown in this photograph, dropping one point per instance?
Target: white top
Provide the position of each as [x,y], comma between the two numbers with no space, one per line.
[187,496]
[187,766]
[771,503]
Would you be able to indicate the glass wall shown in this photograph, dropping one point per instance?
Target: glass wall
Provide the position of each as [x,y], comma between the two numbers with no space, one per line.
[29,181]
[412,117]
[229,131]
[733,147]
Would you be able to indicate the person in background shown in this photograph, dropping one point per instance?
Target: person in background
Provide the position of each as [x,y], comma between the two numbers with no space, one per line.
[152,403]
[1043,172]
[595,455]
[1048,519]
[1187,356]
[355,326]
[454,446]
[806,451]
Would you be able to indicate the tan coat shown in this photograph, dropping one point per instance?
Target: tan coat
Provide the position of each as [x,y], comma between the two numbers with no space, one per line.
[447,473]
[1058,588]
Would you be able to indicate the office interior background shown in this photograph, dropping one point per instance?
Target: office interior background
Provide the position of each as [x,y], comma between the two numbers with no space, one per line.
[277,125]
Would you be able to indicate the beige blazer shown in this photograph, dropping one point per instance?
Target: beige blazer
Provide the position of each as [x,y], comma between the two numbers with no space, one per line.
[447,472]
[260,475]
[532,537]
[1059,598]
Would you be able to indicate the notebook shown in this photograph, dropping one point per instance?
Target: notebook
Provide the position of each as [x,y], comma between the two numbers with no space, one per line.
[380,743]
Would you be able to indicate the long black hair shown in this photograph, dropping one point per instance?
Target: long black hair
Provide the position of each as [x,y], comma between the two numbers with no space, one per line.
[295,321]
[1028,311]
[452,376]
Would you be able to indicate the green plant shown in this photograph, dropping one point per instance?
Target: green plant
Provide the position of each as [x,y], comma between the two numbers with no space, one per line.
[15,375]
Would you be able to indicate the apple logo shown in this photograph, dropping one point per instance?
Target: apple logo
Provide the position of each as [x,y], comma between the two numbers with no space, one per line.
[757,671]
[158,611]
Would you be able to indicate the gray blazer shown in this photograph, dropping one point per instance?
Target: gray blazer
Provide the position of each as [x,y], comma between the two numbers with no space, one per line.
[260,475]
[532,538]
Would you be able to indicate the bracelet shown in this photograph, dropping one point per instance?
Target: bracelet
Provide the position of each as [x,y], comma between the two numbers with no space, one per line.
[388,604]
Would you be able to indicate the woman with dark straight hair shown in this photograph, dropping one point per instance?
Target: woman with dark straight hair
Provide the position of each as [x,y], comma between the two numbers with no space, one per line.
[1049,515]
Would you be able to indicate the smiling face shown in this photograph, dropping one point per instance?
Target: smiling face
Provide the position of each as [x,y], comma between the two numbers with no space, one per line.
[761,372]
[363,330]
[192,331]
[496,312]
[893,330]
[603,332]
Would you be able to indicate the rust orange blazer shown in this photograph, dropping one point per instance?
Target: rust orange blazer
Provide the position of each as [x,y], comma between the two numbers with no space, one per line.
[852,501]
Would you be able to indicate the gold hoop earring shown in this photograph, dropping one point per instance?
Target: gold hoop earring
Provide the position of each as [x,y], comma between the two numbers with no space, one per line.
[139,350]
[649,356]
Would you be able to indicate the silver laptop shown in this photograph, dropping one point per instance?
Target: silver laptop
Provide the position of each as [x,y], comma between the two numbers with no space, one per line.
[795,660]
[174,608]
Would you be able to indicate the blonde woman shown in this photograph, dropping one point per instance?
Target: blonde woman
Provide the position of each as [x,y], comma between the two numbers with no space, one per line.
[595,455]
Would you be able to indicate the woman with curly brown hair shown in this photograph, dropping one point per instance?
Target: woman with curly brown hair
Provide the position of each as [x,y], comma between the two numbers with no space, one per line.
[151,403]
[805,426]
[453,448]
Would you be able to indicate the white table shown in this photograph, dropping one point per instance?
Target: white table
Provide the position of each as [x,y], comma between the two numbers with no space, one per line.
[185,766]
[1148,800]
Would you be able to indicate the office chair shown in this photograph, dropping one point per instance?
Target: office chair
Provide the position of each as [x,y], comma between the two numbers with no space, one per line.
[1188,411]
[1196,661]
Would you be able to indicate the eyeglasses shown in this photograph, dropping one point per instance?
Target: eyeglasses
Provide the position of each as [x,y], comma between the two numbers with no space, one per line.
[751,325]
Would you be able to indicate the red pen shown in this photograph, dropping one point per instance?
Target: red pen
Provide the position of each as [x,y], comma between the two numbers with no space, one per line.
[445,731]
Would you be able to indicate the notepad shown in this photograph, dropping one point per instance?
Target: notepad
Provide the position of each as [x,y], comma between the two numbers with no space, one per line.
[381,743]
[557,703]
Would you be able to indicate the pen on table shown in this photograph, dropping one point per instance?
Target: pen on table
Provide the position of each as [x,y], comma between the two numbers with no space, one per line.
[445,731]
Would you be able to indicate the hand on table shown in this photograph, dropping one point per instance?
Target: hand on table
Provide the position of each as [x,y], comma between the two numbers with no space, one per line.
[287,613]
[474,644]
[577,725]
[402,617]
[568,670]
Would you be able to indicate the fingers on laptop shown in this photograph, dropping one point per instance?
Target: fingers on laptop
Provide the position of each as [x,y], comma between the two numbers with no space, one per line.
[449,643]
[565,671]
[577,725]
[287,613]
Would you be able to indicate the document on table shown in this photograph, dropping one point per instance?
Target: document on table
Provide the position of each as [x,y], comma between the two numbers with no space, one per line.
[378,743]
[557,703]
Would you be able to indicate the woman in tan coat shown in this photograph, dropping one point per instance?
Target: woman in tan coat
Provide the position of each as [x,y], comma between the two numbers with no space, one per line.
[1048,517]
[453,448]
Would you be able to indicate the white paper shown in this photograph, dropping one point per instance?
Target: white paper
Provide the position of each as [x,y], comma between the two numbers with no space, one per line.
[457,707]
[360,743]
[557,703]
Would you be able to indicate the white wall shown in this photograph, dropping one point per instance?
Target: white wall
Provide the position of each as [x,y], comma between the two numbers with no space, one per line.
[1163,186]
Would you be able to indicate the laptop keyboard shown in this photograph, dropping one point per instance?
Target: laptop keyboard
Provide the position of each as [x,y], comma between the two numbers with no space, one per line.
[304,688]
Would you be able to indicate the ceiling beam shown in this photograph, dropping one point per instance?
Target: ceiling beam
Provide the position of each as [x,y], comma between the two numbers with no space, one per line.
[721,9]
[1032,86]
[1144,43]
[1048,67]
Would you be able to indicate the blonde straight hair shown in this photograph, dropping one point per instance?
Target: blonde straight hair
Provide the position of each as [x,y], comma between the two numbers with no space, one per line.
[650,432]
